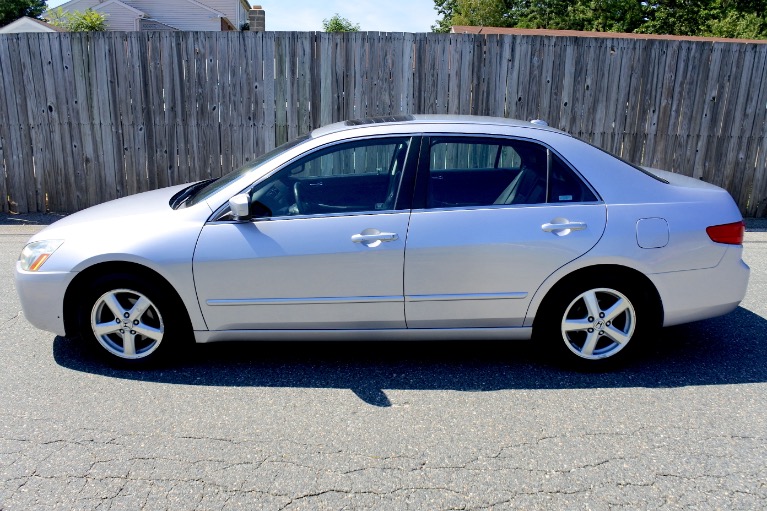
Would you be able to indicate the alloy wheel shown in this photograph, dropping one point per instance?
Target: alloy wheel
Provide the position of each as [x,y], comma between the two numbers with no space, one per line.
[127,324]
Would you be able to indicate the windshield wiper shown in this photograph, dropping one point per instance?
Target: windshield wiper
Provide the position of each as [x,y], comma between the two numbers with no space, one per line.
[184,195]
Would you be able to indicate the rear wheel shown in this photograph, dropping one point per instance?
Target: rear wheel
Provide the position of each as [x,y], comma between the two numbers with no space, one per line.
[131,320]
[597,324]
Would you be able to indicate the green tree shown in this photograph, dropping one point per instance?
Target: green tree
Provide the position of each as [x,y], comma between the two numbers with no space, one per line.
[446,9]
[723,18]
[740,18]
[486,13]
[11,10]
[77,21]
[339,24]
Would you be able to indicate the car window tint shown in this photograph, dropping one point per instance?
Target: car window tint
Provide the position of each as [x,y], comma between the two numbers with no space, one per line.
[216,185]
[483,172]
[565,185]
[466,172]
[345,178]
[456,155]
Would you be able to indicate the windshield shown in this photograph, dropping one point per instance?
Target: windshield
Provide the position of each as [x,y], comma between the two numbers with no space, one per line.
[219,184]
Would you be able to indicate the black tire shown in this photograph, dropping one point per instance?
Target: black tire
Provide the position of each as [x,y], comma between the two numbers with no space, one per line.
[130,335]
[579,324]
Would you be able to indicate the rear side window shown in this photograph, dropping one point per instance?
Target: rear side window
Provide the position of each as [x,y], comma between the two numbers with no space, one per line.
[565,185]
[475,171]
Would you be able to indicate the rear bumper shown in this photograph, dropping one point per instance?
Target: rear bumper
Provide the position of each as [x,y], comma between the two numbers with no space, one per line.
[701,294]
[42,297]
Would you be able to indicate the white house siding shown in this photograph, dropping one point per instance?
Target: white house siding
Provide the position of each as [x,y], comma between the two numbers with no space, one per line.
[118,17]
[234,9]
[178,13]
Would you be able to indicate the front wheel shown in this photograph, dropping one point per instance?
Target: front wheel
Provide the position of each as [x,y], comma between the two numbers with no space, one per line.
[595,326]
[133,321]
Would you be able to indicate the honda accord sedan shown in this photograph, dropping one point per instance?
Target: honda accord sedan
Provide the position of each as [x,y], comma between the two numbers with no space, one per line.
[401,228]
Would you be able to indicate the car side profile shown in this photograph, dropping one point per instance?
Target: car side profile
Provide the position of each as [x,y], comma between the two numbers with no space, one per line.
[410,227]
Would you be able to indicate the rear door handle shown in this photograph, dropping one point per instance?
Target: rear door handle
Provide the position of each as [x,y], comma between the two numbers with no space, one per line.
[371,238]
[562,228]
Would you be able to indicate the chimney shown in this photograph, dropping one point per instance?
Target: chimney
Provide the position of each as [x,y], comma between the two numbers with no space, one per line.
[257,19]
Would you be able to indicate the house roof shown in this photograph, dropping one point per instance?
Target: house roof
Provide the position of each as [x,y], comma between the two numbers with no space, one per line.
[152,24]
[66,5]
[463,29]
[11,27]
[71,3]
[211,9]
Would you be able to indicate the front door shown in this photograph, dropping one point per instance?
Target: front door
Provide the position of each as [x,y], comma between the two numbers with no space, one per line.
[330,255]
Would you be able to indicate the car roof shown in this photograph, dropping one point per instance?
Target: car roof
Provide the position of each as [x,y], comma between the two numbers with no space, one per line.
[430,119]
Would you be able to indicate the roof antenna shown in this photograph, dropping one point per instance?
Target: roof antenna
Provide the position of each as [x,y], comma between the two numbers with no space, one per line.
[539,122]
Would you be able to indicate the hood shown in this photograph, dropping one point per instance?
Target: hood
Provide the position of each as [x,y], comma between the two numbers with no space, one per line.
[132,212]
[142,228]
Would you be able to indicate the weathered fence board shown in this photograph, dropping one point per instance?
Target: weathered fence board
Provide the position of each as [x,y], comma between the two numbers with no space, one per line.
[88,117]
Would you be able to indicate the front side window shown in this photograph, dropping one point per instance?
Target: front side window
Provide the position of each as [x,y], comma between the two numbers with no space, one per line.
[345,178]
[467,172]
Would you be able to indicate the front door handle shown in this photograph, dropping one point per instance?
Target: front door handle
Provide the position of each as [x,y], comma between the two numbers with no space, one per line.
[563,227]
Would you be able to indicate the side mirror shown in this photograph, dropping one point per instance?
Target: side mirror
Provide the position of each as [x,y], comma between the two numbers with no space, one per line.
[243,210]
[240,206]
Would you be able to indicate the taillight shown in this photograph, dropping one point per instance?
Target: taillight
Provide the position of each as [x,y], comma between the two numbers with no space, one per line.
[731,234]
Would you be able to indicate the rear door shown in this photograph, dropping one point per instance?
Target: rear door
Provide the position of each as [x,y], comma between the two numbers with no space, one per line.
[494,218]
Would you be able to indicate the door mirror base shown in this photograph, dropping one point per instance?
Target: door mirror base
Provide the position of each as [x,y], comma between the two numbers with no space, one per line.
[244,211]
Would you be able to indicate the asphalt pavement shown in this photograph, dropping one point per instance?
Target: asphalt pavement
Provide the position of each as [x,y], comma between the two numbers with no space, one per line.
[389,426]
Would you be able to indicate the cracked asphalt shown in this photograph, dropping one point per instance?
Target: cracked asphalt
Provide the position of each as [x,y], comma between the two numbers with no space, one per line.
[422,426]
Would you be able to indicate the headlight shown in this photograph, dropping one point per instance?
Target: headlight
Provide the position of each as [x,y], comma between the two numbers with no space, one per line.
[36,253]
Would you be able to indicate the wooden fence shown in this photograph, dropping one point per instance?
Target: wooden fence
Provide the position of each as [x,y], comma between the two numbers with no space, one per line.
[93,116]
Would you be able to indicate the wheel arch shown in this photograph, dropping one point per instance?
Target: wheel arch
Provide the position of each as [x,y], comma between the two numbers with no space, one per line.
[79,284]
[619,272]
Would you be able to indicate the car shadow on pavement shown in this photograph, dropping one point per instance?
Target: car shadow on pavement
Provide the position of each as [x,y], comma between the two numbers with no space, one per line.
[728,350]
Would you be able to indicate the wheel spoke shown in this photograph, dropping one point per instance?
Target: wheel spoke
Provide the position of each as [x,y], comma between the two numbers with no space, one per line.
[106,328]
[129,344]
[590,344]
[616,310]
[590,299]
[574,325]
[616,335]
[149,332]
[111,302]
[141,305]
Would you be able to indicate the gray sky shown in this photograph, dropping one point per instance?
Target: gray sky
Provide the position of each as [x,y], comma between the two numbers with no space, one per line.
[376,15]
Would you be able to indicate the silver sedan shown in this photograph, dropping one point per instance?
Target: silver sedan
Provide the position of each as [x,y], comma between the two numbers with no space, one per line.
[412,227]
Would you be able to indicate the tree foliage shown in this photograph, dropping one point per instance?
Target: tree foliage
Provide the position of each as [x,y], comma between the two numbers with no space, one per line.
[720,18]
[339,24]
[11,10]
[78,21]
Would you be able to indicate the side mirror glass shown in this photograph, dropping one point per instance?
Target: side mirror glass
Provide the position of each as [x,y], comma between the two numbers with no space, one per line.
[240,206]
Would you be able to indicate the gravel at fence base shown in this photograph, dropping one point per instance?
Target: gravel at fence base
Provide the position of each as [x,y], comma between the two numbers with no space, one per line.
[30,218]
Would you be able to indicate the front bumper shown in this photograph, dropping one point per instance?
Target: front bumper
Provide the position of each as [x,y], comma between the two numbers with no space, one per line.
[42,297]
